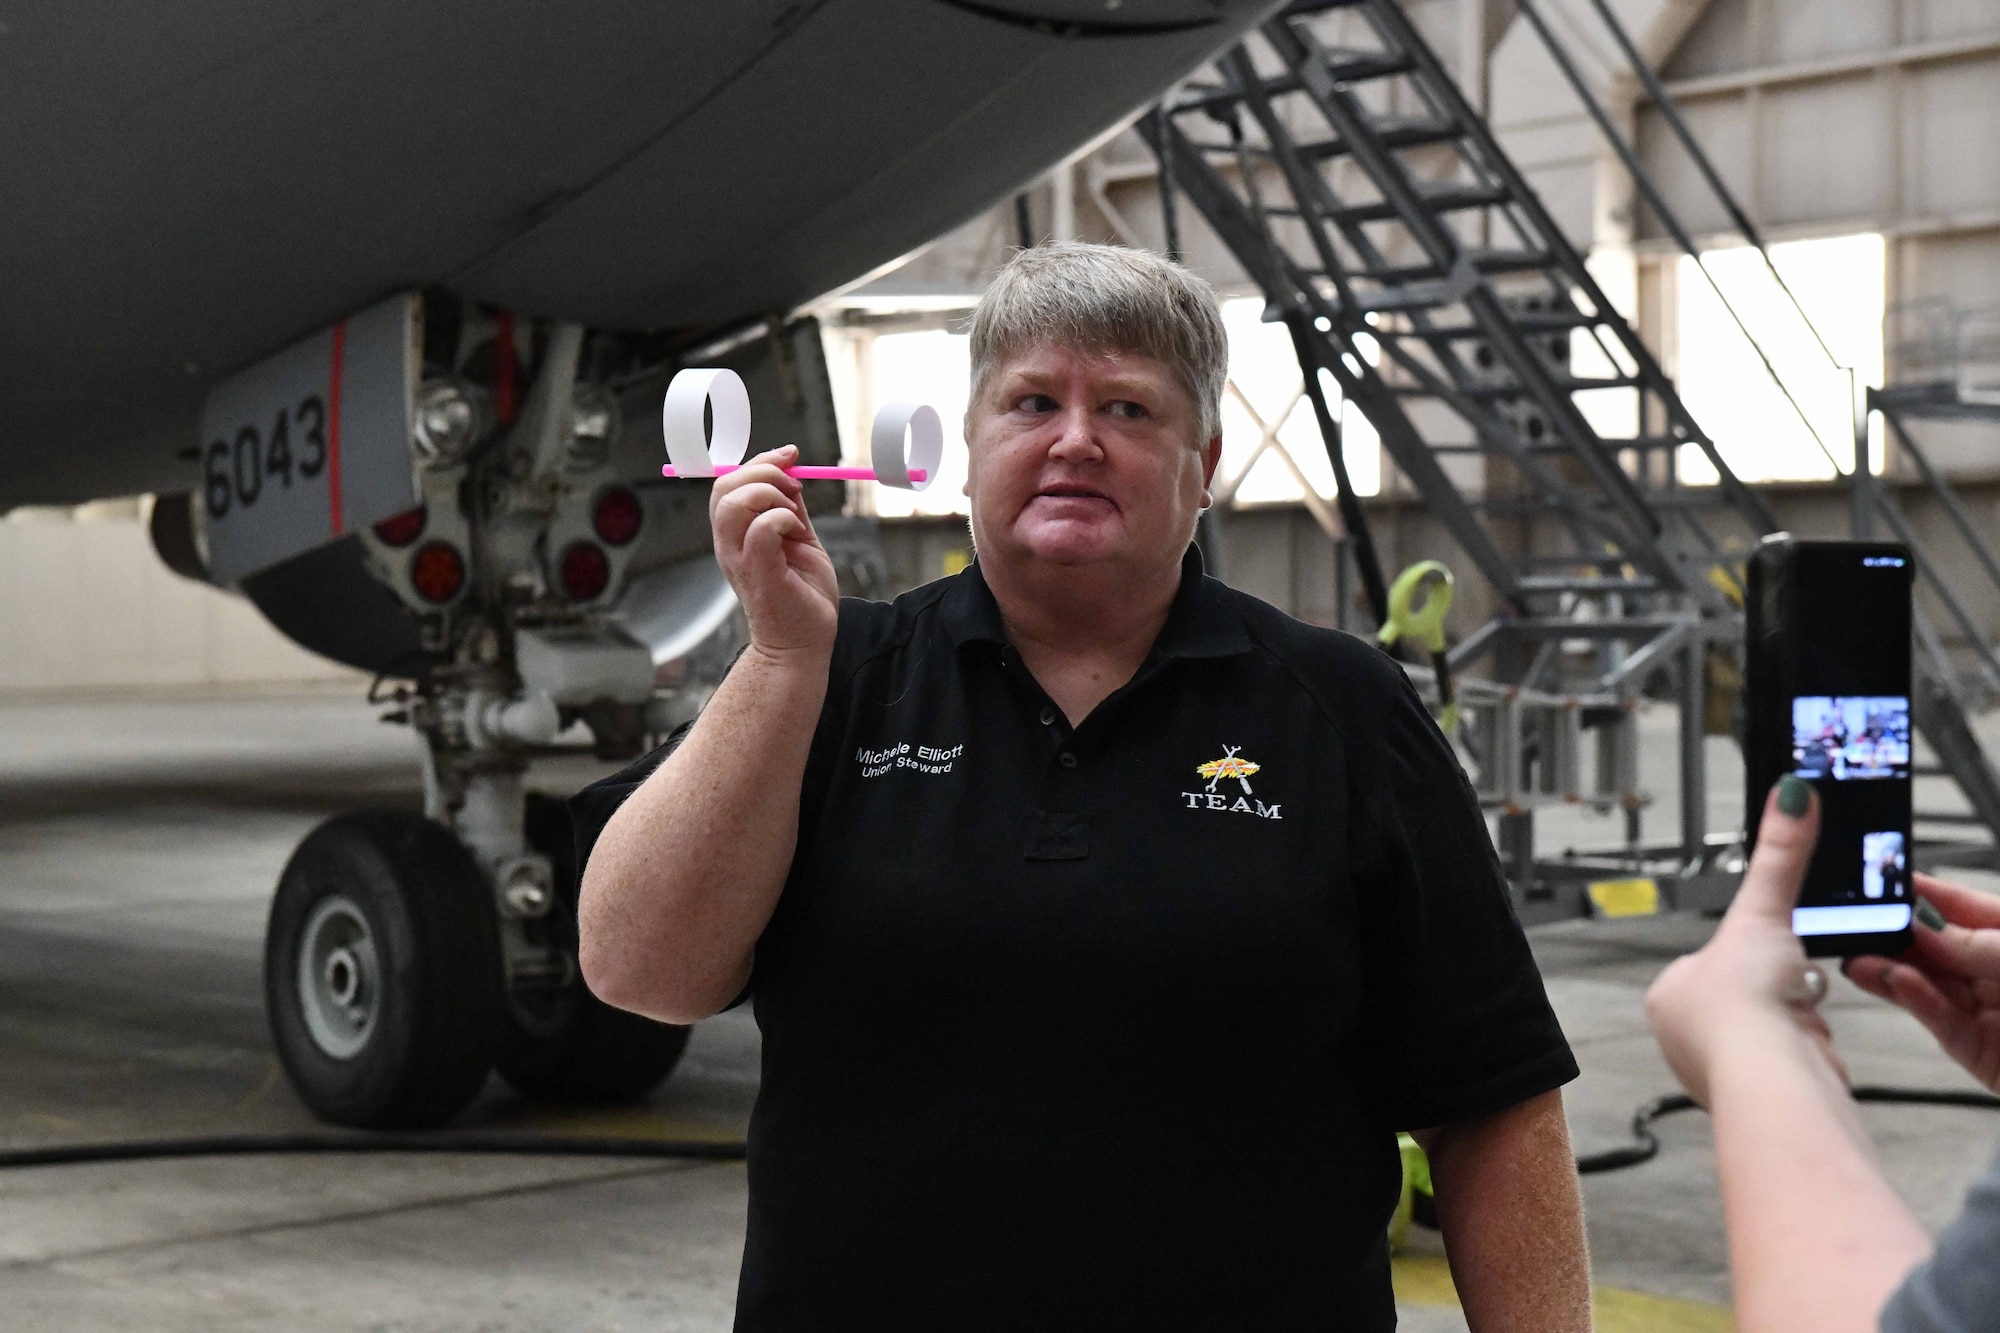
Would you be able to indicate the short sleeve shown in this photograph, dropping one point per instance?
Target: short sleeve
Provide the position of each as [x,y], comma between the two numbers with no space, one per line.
[1458,1022]
[591,809]
[1956,1290]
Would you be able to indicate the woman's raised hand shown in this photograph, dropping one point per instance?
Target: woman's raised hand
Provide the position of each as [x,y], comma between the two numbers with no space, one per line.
[1949,980]
[766,546]
[1751,991]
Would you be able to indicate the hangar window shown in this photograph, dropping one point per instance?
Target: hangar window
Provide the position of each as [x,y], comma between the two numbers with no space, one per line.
[1269,438]
[1840,282]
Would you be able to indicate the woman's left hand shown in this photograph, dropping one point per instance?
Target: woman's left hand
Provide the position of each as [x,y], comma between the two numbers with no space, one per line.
[1950,978]
[1751,984]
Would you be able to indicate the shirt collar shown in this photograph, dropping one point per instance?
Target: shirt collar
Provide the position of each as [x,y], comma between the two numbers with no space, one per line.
[1202,622]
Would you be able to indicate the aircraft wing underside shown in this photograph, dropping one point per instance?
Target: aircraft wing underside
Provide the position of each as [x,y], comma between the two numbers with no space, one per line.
[189,187]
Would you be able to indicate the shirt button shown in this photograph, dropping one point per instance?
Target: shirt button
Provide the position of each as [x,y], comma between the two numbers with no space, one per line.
[1048,717]
[1066,759]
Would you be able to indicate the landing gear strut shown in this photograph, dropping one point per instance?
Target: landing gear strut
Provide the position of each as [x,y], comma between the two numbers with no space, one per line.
[568,1045]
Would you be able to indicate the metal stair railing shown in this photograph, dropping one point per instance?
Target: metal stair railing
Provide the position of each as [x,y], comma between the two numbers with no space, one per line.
[1946,697]
[1373,236]
[1628,154]
[1942,710]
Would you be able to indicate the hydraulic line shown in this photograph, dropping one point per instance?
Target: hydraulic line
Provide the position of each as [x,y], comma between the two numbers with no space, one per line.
[504,1145]
[1645,1147]
[1647,1144]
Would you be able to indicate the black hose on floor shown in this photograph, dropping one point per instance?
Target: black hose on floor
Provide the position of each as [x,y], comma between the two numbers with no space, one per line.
[506,1145]
[1647,1145]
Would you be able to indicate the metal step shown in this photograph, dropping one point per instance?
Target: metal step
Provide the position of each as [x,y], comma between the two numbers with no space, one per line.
[1388,132]
[1566,383]
[1346,65]
[1450,199]
[1528,321]
[1486,261]
[1585,583]
[1612,446]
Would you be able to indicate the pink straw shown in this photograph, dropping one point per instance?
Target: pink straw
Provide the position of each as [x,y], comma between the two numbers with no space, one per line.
[809,473]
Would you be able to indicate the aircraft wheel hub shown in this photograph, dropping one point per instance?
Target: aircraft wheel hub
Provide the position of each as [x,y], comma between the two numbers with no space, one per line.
[339,978]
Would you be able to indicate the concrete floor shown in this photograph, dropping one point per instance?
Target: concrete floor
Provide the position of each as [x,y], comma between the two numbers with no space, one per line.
[139,842]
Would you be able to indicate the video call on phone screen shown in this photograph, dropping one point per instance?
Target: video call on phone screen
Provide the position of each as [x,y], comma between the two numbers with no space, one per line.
[1849,696]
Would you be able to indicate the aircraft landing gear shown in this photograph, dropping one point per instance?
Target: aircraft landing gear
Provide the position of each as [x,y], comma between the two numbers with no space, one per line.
[569,1046]
[382,972]
[408,955]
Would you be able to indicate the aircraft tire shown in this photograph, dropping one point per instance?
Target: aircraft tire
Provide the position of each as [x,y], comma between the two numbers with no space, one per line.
[382,972]
[601,1057]
[580,1051]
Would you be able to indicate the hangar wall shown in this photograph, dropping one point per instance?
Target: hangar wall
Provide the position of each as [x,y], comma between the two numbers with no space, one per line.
[1830,116]
[85,604]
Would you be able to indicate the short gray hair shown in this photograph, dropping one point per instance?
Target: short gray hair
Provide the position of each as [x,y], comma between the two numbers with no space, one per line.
[1105,298]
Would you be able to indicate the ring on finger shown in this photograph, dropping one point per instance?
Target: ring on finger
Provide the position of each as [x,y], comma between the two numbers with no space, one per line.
[1810,987]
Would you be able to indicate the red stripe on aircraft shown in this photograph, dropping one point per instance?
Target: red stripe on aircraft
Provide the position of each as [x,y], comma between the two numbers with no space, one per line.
[333,428]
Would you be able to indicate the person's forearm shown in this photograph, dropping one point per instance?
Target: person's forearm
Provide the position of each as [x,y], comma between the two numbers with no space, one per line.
[1817,1238]
[1512,1218]
[686,873]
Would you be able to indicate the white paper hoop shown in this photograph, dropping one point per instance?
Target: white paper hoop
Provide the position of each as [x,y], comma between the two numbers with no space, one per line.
[693,451]
[893,466]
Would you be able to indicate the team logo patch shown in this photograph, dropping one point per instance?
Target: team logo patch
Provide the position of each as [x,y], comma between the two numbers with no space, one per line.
[1231,767]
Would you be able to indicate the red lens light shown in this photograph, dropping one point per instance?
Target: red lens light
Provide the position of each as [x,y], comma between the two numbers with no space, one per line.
[437,572]
[617,516]
[585,571]
[402,529]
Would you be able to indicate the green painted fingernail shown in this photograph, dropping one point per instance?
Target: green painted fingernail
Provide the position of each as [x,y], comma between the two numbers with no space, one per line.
[1928,913]
[1794,795]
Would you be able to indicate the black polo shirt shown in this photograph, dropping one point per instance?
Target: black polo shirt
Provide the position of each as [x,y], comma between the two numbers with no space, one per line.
[1113,1026]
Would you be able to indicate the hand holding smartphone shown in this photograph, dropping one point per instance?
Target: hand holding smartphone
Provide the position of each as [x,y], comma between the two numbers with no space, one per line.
[1828,698]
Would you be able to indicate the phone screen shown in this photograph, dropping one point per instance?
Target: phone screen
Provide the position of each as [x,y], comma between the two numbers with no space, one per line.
[1829,677]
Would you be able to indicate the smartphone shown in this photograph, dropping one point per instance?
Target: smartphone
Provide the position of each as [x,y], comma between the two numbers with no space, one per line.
[1827,640]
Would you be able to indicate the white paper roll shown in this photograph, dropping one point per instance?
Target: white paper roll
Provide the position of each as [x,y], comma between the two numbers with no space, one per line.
[693,451]
[919,421]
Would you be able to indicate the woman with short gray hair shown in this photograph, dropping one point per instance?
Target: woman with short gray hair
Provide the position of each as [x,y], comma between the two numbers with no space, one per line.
[1104,925]
[1098,297]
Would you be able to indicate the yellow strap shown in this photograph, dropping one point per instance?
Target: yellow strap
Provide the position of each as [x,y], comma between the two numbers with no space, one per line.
[1426,623]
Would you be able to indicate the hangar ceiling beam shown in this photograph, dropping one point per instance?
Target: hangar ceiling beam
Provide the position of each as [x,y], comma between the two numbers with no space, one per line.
[1811,71]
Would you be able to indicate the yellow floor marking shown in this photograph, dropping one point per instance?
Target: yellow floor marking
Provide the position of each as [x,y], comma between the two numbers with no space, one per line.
[616,1123]
[1425,1279]
[1620,1311]
[1422,1279]
[1626,897]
